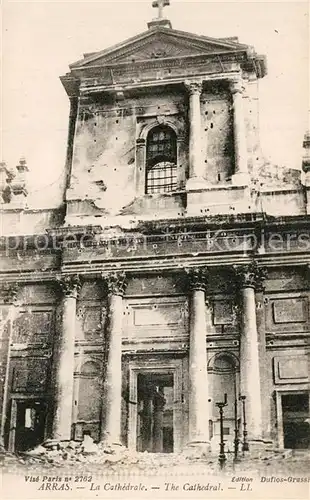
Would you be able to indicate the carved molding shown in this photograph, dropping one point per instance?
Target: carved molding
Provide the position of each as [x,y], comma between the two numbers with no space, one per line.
[193,87]
[115,283]
[251,276]
[69,285]
[9,293]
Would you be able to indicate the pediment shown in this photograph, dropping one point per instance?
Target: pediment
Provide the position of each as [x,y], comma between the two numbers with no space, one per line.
[159,44]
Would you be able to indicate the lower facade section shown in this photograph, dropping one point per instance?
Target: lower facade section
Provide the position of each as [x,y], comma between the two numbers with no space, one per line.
[154,408]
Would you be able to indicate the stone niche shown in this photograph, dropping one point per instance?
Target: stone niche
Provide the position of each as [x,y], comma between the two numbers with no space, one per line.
[88,386]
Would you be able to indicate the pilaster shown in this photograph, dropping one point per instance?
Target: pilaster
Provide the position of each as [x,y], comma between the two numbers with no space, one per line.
[9,312]
[241,175]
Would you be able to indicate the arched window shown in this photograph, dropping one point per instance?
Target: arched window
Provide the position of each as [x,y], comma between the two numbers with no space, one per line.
[161,161]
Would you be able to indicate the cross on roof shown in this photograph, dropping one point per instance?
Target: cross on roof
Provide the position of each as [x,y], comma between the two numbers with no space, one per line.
[160,4]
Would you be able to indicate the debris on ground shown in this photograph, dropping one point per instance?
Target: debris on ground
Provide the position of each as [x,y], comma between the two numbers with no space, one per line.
[116,458]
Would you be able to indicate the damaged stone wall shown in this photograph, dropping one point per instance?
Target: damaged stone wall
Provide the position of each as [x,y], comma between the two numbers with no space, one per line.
[104,158]
[217,136]
[30,364]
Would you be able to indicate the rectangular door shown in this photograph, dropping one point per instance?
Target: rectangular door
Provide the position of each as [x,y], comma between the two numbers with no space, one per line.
[156,410]
[295,414]
[29,426]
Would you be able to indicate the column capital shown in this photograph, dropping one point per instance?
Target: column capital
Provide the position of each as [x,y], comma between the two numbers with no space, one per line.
[251,276]
[69,285]
[197,278]
[115,282]
[236,86]
[193,86]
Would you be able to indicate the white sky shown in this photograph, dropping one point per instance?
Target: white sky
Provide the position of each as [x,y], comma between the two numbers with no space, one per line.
[41,38]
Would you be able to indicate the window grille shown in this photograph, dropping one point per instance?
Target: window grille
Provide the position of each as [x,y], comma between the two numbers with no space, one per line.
[161,159]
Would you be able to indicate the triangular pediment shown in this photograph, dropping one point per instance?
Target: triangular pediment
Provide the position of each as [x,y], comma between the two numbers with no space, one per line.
[159,43]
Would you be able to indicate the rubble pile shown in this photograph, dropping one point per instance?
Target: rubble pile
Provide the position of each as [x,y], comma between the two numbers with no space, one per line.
[74,453]
[81,454]
[85,451]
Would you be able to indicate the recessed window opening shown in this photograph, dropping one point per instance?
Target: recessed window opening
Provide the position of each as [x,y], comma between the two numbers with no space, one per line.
[161,161]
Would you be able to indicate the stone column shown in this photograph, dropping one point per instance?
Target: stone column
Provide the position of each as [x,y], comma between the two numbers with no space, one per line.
[198,376]
[64,360]
[74,104]
[196,164]
[249,276]
[241,175]
[8,315]
[112,394]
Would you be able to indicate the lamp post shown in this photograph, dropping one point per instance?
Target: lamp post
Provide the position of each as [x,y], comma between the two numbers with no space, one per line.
[236,439]
[245,444]
[222,456]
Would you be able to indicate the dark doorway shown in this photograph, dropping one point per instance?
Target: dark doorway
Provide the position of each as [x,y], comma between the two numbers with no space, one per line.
[155,413]
[30,424]
[296,428]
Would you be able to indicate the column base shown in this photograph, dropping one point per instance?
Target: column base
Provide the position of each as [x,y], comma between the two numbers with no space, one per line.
[257,448]
[197,449]
[240,179]
[194,183]
[259,443]
[110,443]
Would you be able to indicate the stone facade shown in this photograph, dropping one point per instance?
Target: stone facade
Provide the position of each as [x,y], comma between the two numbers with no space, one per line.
[127,314]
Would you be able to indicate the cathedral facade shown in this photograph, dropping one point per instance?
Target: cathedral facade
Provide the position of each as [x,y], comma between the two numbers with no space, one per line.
[174,276]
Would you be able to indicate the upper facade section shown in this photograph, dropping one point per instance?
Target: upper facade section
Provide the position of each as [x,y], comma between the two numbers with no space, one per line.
[135,62]
[157,121]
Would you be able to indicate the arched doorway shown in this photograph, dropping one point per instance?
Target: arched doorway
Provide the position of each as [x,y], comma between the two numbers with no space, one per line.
[224,377]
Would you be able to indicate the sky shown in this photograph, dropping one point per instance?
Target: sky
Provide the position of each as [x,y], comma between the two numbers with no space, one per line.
[41,38]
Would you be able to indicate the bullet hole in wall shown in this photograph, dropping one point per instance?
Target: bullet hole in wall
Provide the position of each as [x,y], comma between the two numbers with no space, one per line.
[211,125]
[206,112]
[116,121]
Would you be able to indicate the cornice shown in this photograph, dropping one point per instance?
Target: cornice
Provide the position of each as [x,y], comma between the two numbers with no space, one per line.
[147,266]
[168,62]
